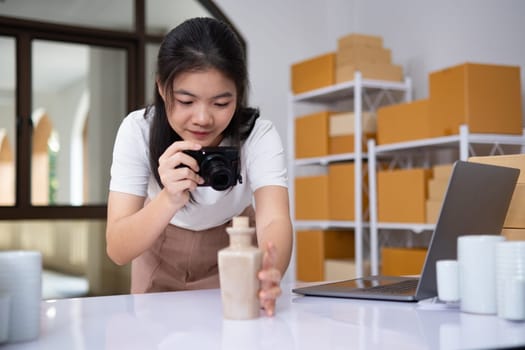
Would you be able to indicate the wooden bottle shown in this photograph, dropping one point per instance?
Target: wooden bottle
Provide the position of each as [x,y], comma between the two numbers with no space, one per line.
[239,264]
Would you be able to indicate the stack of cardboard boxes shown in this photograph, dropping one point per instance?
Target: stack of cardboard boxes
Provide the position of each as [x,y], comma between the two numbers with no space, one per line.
[355,52]
[437,187]
[514,226]
[487,98]
[325,197]
[364,53]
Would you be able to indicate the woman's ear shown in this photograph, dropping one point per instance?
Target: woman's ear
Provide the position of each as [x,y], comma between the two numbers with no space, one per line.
[160,89]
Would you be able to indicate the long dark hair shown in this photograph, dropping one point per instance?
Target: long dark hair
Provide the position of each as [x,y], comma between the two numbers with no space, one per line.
[198,44]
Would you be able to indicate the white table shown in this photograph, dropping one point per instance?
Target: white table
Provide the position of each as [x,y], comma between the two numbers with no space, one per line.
[193,320]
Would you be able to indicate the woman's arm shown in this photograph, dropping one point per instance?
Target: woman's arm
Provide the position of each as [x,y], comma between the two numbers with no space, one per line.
[132,225]
[272,217]
[275,237]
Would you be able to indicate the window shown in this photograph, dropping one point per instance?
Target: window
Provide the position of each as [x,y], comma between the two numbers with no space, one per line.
[68,75]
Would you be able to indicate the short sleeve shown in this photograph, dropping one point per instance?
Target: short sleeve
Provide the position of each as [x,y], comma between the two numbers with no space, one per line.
[130,170]
[264,156]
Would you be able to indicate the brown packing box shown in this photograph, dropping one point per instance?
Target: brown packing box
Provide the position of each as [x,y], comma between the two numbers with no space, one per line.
[341,191]
[516,214]
[437,188]
[311,198]
[311,135]
[433,208]
[402,194]
[403,122]
[485,97]
[514,234]
[442,171]
[511,160]
[313,73]
[374,71]
[345,143]
[343,123]
[342,269]
[313,247]
[402,261]
[359,40]
[360,54]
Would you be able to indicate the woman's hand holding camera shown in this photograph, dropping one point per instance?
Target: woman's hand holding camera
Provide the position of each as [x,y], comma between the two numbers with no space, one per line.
[178,172]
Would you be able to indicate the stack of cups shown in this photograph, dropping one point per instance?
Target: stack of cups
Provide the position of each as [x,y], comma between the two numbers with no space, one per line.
[510,276]
[20,295]
[487,278]
[477,273]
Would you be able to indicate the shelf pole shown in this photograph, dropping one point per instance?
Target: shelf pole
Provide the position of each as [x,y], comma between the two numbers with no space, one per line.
[463,142]
[358,163]
[372,200]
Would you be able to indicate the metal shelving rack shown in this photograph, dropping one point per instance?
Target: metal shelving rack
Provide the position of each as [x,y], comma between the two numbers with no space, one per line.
[371,93]
[464,141]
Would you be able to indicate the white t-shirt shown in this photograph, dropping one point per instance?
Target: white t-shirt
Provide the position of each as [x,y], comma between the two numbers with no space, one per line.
[263,163]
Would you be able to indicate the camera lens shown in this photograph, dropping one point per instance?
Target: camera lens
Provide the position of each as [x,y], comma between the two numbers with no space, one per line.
[215,171]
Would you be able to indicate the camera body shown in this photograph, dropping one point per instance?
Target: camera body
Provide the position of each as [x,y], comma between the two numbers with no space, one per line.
[219,166]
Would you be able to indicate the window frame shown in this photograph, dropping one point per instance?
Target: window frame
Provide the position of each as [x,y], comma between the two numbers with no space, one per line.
[24,32]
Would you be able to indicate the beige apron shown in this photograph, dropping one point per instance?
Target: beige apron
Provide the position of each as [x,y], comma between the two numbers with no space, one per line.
[182,259]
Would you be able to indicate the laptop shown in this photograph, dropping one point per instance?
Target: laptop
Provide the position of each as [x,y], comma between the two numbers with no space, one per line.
[476,202]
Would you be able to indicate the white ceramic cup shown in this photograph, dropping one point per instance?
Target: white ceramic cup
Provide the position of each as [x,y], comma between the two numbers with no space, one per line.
[513,307]
[21,278]
[5,307]
[477,273]
[447,280]
[510,277]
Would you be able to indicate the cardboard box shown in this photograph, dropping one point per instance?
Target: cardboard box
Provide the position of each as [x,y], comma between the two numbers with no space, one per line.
[346,143]
[313,247]
[402,194]
[311,198]
[313,73]
[402,261]
[485,97]
[511,160]
[341,188]
[311,135]
[403,122]
[514,234]
[356,54]
[342,269]
[343,123]
[442,171]
[516,213]
[437,188]
[432,210]
[374,71]
[356,39]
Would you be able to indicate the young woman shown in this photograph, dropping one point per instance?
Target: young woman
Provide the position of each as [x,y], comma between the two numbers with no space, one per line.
[159,218]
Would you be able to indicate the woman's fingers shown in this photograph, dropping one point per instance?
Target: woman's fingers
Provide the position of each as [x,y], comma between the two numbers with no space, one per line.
[270,278]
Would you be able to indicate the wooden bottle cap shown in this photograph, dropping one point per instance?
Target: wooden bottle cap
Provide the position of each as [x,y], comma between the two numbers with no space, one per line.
[240,222]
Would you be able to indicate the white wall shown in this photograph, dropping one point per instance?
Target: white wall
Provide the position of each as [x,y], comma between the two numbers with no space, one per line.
[423,35]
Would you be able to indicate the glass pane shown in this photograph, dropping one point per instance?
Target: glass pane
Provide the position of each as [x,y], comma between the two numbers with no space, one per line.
[114,14]
[163,15]
[79,100]
[73,255]
[151,61]
[7,121]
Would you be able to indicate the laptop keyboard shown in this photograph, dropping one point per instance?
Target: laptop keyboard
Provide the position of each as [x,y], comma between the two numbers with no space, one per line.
[401,287]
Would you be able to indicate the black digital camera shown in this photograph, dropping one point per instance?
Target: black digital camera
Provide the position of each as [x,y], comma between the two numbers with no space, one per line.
[219,166]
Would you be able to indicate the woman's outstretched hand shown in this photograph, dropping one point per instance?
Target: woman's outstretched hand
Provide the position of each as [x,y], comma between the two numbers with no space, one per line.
[270,278]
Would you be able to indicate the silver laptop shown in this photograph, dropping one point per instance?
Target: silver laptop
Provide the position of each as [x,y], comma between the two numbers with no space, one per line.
[476,202]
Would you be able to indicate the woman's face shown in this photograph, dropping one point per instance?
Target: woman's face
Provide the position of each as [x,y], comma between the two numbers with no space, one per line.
[203,105]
